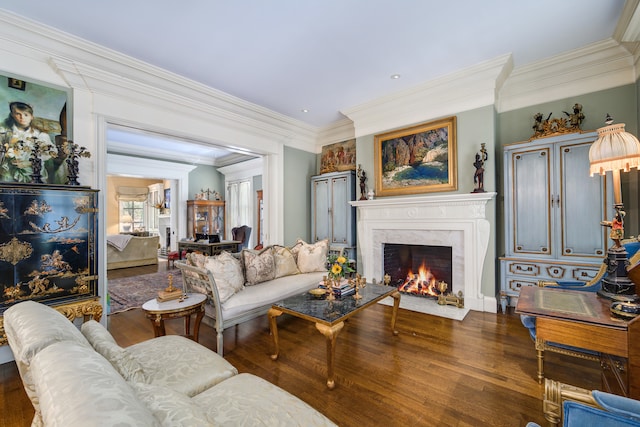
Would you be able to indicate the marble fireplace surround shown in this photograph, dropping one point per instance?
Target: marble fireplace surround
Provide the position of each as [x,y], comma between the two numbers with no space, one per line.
[456,220]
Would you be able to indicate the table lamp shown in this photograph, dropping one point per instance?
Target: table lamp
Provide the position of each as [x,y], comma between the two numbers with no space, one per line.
[126,221]
[615,150]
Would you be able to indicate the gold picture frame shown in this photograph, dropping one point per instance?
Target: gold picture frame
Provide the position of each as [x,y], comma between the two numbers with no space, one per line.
[417,159]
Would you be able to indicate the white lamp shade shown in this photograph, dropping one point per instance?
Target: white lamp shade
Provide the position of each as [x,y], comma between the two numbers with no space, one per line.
[614,149]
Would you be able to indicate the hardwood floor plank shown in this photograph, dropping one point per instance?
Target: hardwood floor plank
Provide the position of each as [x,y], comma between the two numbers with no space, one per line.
[436,372]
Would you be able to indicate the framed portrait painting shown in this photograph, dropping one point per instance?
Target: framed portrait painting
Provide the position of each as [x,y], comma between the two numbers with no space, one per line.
[34,122]
[418,159]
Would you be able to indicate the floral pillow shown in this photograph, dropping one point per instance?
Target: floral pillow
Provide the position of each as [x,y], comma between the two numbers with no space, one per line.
[313,257]
[227,273]
[284,261]
[258,266]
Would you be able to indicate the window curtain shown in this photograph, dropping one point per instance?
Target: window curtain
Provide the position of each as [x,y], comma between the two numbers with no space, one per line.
[132,194]
[238,204]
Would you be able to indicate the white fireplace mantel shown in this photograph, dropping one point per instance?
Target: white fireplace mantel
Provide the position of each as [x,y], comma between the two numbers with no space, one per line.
[456,220]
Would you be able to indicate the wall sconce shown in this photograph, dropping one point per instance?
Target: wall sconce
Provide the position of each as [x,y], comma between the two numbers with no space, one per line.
[615,150]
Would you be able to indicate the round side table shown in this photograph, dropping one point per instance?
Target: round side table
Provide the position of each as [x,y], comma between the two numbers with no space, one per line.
[158,312]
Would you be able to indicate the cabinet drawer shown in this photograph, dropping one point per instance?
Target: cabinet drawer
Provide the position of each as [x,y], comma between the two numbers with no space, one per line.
[614,374]
[524,269]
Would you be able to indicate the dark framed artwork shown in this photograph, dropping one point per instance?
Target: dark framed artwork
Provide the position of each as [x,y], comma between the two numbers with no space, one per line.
[418,159]
[338,157]
[34,119]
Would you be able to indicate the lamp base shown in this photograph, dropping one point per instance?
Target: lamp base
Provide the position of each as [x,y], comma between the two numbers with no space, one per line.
[616,285]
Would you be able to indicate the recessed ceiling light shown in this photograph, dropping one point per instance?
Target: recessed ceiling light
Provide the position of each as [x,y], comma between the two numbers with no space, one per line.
[395,76]
[305,110]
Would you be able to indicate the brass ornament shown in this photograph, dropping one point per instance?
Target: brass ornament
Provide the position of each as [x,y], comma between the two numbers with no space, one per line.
[15,251]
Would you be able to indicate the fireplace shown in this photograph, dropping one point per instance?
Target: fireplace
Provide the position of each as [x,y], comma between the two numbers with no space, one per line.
[457,221]
[419,269]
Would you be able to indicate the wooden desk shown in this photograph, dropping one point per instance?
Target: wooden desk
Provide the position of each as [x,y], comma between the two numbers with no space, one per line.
[209,248]
[583,319]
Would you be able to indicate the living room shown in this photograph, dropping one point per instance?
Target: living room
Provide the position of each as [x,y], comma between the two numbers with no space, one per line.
[493,101]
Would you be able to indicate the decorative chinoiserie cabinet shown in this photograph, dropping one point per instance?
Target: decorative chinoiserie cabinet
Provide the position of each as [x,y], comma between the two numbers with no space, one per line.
[552,212]
[332,217]
[48,248]
[206,217]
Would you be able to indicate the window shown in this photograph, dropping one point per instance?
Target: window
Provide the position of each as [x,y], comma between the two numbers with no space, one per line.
[132,215]
[132,208]
[239,204]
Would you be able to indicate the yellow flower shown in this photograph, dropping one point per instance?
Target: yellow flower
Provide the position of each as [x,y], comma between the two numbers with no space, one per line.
[341,260]
[336,269]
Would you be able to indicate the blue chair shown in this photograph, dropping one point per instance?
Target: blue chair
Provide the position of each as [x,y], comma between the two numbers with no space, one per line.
[584,408]
[632,246]
[241,234]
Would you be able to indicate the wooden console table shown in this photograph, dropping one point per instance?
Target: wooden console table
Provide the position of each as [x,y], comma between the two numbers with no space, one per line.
[209,248]
[583,319]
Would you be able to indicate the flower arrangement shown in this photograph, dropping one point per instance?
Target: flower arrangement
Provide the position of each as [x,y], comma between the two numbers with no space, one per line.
[338,266]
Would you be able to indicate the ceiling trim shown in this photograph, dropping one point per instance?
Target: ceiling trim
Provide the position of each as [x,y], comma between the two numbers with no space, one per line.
[471,88]
[598,66]
[145,168]
[243,170]
[114,147]
[89,66]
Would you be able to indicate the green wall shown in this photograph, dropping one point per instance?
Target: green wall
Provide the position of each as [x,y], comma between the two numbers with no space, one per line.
[299,167]
[203,177]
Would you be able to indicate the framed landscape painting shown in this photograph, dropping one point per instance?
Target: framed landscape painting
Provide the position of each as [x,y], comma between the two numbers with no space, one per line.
[418,159]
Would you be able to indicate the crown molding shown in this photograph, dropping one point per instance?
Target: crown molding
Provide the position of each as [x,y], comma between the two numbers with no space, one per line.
[471,88]
[159,154]
[339,131]
[243,170]
[88,66]
[124,165]
[597,66]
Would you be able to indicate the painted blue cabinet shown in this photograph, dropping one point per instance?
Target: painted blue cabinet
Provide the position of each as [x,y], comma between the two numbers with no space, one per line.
[332,217]
[552,212]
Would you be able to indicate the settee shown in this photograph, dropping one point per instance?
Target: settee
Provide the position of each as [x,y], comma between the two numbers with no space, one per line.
[245,285]
[136,252]
[81,377]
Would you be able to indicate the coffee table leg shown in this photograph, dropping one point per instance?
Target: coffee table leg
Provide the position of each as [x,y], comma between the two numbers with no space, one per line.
[331,333]
[394,313]
[273,327]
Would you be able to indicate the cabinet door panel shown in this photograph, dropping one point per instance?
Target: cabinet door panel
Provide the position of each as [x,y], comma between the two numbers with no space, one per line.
[531,196]
[582,201]
[341,210]
[321,210]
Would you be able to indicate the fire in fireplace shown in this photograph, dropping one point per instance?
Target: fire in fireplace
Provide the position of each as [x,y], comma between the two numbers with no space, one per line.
[419,269]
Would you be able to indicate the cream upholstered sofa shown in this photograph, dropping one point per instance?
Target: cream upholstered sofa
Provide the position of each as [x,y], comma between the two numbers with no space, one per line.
[83,378]
[138,251]
[245,285]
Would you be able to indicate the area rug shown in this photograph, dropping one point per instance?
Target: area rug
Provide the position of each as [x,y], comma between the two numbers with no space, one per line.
[428,306]
[132,292]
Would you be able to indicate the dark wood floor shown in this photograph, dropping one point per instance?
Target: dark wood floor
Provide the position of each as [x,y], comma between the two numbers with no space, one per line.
[437,372]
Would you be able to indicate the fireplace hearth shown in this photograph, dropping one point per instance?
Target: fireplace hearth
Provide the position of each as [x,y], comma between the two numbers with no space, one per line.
[457,221]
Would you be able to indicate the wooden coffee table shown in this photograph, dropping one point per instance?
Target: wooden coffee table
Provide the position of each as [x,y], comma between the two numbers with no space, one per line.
[329,316]
[158,312]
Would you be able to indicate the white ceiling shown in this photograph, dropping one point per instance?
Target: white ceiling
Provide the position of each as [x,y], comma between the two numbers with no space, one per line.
[326,56]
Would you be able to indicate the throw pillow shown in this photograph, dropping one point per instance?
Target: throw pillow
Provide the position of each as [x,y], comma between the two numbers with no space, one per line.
[196,259]
[227,273]
[284,261]
[313,257]
[258,266]
[170,407]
